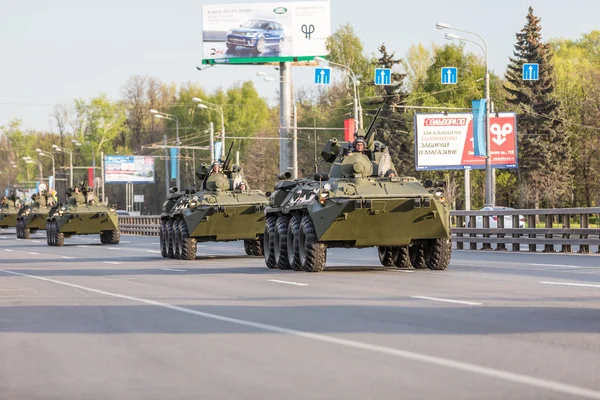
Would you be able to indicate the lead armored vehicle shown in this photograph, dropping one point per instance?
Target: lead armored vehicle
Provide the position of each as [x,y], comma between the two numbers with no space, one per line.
[9,210]
[32,218]
[223,209]
[360,203]
[83,214]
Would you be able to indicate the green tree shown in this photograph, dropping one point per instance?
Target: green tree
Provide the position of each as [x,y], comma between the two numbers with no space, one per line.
[544,154]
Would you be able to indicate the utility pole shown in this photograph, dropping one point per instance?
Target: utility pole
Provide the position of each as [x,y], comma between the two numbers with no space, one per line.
[212,144]
[285,109]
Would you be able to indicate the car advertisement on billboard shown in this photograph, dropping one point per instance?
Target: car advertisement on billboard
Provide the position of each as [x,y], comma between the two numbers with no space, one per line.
[446,141]
[128,169]
[264,32]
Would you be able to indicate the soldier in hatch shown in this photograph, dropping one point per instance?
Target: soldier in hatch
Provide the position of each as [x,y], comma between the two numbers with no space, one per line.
[77,197]
[358,146]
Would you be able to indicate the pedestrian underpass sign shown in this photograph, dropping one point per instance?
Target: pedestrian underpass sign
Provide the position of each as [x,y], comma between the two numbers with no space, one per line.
[531,72]
[322,76]
[449,76]
[383,76]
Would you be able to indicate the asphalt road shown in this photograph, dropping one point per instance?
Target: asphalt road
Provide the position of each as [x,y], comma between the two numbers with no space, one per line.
[91,321]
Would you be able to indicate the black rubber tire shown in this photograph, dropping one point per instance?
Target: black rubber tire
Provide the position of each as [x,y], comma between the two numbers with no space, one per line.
[103,237]
[402,258]
[417,257]
[292,242]
[313,255]
[163,239]
[176,240]
[19,231]
[281,245]
[249,247]
[438,253]
[387,255]
[113,237]
[169,232]
[48,233]
[259,247]
[188,244]
[260,46]
[26,233]
[59,238]
[269,240]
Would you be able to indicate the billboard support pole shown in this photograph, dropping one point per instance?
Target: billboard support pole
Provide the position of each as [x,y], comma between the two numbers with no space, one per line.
[212,144]
[467,189]
[102,167]
[166,169]
[285,110]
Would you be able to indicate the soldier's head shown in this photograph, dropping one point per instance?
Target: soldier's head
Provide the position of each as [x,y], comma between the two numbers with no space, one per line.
[242,186]
[76,190]
[359,144]
[216,167]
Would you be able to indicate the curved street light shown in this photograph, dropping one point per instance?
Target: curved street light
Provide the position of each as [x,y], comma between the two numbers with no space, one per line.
[50,155]
[59,149]
[171,117]
[219,109]
[489,177]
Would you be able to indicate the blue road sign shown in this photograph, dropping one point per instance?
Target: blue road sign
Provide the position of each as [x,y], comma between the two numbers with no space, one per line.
[383,76]
[322,76]
[449,76]
[531,72]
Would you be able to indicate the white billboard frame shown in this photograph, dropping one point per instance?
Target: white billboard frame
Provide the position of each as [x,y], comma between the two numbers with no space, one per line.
[258,33]
[129,169]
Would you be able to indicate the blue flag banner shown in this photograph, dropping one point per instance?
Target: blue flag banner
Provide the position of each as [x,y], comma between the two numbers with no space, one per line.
[173,152]
[218,149]
[479,127]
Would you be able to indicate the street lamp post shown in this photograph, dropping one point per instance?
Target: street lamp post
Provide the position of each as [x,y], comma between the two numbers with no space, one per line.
[50,155]
[29,160]
[219,109]
[357,107]
[171,117]
[489,189]
[58,148]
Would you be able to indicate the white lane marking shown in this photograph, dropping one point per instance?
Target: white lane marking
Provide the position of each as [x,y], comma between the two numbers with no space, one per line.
[80,245]
[153,251]
[557,265]
[35,241]
[470,303]
[288,282]
[570,284]
[34,254]
[124,241]
[66,257]
[112,262]
[410,355]
[173,269]
[113,248]
[406,271]
[8,250]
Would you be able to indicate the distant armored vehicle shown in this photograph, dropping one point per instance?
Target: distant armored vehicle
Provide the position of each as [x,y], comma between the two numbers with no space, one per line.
[32,218]
[223,209]
[9,210]
[82,215]
[360,203]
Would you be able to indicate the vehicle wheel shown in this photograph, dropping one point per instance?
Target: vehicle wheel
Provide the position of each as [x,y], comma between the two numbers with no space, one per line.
[417,257]
[387,255]
[113,237]
[403,258]
[281,246]
[103,237]
[313,255]
[59,237]
[188,244]
[176,240]
[18,226]
[260,46]
[292,243]
[26,232]
[258,246]
[269,250]
[280,45]
[169,236]
[48,233]
[163,239]
[437,254]
[248,247]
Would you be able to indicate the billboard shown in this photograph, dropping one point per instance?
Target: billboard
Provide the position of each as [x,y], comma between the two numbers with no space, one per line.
[446,141]
[264,32]
[125,169]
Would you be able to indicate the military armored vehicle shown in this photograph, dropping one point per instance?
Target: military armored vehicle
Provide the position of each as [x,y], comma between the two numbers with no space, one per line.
[83,214]
[32,218]
[222,209]
[360,203]
[9,210]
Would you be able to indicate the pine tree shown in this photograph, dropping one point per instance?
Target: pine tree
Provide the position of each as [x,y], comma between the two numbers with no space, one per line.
[544,156]
[392,126]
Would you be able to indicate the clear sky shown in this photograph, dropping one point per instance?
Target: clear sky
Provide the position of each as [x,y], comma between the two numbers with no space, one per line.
[54,51]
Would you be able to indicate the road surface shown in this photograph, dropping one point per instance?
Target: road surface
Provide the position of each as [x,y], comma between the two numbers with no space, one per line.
[91,321]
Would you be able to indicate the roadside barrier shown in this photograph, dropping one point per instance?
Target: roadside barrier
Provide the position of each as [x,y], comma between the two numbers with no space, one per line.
[557,230]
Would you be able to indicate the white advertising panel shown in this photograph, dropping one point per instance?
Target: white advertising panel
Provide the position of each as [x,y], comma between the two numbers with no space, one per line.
[446,141]
[248,33]
[125,169]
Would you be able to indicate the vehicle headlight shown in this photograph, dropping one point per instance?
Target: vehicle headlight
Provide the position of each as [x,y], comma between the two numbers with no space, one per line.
[327,186]
[439,192]
[112,210]
[193,204]
[26,212]
[323,195]
[61,211]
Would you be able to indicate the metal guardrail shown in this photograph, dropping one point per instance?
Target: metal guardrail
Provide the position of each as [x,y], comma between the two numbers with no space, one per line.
[476,232]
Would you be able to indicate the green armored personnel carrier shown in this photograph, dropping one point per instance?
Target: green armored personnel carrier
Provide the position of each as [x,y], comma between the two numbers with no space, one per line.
[9,210]
[224,209]
[82,215]
[32,218]
[360,203]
